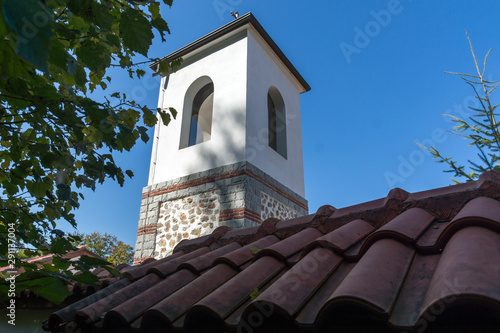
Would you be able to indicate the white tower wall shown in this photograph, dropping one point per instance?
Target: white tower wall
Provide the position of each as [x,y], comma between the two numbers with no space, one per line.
[265,70]
[226,66]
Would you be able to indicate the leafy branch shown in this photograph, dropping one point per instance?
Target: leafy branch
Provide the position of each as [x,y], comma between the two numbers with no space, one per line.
[55,137]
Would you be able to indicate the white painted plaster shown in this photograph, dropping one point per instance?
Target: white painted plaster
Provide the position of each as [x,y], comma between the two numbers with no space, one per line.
[264,71]
[225,65]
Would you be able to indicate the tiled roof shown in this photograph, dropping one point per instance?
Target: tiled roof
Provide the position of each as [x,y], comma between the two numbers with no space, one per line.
[47,259]
[30,300]
[416,262]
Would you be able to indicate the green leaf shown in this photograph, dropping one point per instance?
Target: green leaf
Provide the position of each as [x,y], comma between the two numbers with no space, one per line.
[154,9]
[92,12]
[50,288]
[93,261]
[94,55]
[39,188]
[148,117]
[255,294]
[160,25]
[165,117]
[64,192]
[255,250]
[31,23]
[58,56]
[173,112]
[135,31]
[86,278]
[144,133]
[113,39]
[113,271]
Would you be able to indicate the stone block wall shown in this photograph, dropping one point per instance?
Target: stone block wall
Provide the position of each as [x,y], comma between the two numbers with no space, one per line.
[237,195]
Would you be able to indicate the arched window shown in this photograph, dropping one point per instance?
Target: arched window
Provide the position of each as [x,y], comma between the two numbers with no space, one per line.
[200,129]
[276,121]
[197,115]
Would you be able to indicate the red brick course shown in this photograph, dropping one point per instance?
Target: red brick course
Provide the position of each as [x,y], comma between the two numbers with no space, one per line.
[146,230]
[239,213]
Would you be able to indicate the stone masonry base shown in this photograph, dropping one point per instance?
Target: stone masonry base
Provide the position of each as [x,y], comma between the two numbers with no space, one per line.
[237,195]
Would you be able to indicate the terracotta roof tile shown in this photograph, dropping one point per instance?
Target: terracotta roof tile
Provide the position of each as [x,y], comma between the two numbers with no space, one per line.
[407,262]
[411,298]
[174,306]
[407,226]
[67,314]
[131,309]
[307,316]
[291,245]
[236,321]
[469,269]
[134,273]
[199,264]
[93,312]
[166,268]
[243,255]
[384,265]
[344,237]
[484,209]
[294,288]
[222,302]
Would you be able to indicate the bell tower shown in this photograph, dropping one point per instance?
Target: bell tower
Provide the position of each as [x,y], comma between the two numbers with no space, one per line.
[233,156]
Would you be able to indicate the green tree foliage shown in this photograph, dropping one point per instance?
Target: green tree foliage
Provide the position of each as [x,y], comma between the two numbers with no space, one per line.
[480,130]
[108,247]
[54,137]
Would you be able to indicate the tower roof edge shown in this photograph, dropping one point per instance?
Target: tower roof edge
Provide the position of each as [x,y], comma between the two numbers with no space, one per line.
[247,19]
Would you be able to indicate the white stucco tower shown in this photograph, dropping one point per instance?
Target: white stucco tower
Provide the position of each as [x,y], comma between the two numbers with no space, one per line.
[233,156]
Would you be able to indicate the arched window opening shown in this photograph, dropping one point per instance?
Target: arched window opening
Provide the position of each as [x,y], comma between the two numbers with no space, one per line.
[276,121]
[200,129]
[197,113]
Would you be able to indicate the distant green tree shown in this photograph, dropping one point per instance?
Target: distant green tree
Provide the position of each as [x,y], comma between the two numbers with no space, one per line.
[108,247]
[55,137]
[480,130]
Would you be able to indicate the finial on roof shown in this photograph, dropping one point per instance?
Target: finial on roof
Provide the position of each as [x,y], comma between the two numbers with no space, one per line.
[235,14]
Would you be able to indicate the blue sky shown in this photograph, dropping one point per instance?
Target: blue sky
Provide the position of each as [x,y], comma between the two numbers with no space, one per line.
[376,69]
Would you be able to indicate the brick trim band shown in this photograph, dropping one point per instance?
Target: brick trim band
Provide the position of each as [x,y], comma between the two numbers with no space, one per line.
[222,176]
[138,261]
[239,213]
[146,230]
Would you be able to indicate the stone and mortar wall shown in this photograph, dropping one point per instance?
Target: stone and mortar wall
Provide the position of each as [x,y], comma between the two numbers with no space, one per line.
[272,208]
[190,217]
[235,192]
